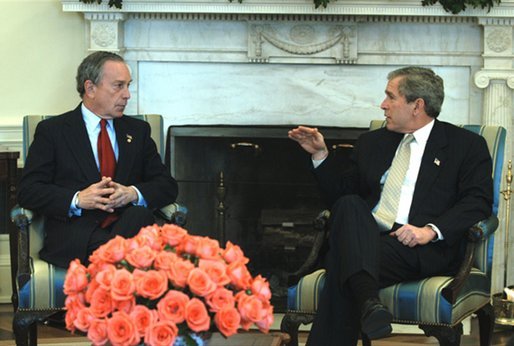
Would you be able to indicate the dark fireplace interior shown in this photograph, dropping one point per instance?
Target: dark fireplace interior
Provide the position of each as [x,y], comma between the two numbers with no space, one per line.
[253,186]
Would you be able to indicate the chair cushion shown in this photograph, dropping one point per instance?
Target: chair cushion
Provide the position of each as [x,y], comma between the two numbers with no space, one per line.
[417,302]
[45,289]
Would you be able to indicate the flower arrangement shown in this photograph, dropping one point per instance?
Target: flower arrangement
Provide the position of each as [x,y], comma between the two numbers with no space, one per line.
[162,286]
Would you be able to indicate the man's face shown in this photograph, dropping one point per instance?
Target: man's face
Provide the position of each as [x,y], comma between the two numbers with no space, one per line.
[109,97]
[398,113]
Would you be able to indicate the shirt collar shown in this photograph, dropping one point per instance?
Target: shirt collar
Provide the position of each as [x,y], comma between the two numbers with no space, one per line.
[91,119]
[421,135]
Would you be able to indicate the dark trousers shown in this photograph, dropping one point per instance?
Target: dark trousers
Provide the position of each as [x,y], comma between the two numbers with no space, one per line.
[128,225]
[355,244]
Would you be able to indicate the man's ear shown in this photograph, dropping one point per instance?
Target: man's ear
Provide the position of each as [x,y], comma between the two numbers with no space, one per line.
[419,106]
[89,88]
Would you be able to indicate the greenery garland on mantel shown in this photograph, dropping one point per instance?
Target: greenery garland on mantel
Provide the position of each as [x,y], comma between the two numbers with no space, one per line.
[452,6]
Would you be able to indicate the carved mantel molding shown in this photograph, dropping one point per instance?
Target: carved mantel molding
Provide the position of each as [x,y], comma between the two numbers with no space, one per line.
[341,7]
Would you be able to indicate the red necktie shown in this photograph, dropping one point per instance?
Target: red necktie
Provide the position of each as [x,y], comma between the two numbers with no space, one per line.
[105,153]
[107,164]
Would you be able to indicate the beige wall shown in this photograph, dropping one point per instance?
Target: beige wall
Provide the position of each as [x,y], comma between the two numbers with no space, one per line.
[41,80]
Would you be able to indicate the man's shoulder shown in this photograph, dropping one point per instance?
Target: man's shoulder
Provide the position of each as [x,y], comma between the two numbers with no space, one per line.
[58,119]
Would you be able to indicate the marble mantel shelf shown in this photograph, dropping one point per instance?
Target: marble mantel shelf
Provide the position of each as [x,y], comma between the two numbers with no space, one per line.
[339,7]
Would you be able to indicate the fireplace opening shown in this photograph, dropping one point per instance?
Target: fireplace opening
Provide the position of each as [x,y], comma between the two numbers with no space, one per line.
[253,186]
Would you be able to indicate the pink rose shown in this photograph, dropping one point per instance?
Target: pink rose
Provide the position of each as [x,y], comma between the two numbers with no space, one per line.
[97,332]
[200,283]
[219,299]
[179,272]
[122,285]
[233,253]
[164,260]
[104,276]
[124,305]
[197,318]
[172,307]
[83,319]
[173,234]
[150,284]
[260,288]
[265,324]
[121,330]
[76,278]
[227,320]
[148,236]
[239,275]
[216,270]
[101,303]
[208,248]
[162,333]
[141,257]
[113,251]
[251,308]
[143,318]
[188,244]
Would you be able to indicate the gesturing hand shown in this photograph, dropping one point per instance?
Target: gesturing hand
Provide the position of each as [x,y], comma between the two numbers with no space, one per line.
[311,140]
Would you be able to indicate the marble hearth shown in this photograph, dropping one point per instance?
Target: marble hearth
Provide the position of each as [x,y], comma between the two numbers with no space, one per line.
[283,62]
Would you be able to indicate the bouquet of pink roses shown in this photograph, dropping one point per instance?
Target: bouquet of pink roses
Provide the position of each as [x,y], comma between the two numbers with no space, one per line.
[162,286]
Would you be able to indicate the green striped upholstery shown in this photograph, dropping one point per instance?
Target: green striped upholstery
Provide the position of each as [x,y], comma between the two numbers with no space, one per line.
[421,302]
[44,289]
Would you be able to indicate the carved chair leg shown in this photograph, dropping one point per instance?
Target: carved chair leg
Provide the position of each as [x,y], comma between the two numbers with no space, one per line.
[486,324]
[291,322]
[447,336]
[25,326]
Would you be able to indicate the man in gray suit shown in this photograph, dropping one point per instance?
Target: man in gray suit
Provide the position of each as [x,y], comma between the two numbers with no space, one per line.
[446,188]
[62,176]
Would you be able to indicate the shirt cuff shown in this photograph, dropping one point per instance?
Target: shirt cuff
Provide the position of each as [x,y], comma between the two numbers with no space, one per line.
[140,199]
[74,208]
[437,231]
[316,163]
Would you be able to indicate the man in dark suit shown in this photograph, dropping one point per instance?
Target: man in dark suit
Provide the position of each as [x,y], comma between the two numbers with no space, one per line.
[446,188]
[62,180]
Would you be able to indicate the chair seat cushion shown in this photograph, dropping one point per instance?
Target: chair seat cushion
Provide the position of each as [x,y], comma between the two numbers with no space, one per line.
[44,290]
[410,302]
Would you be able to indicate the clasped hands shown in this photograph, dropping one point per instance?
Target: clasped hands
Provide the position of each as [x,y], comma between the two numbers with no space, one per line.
[411,236]
[106,195]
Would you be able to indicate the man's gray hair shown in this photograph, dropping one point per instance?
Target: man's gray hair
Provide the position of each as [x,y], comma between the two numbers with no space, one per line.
[92,68]
[421,82]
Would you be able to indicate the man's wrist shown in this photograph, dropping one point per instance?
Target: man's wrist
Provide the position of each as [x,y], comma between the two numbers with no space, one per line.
[320,155]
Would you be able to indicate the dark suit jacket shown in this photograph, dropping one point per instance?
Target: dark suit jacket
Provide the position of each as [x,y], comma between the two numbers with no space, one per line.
[60,162]
[453,191]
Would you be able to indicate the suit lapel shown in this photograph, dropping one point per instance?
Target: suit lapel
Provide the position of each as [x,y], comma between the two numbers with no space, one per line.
[433,158]
[126,140]
[386,151]
[79,144]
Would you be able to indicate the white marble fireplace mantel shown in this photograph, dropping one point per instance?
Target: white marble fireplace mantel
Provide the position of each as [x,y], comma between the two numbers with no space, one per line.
[285,62]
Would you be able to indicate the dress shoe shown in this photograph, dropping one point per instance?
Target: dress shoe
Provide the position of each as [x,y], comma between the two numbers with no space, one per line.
[375,319]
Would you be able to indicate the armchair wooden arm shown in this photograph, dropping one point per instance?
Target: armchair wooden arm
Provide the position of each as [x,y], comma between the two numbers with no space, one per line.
[476,233]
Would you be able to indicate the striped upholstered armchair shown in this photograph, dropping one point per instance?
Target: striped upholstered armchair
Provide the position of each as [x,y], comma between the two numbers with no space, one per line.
[437,304]
[38,285]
